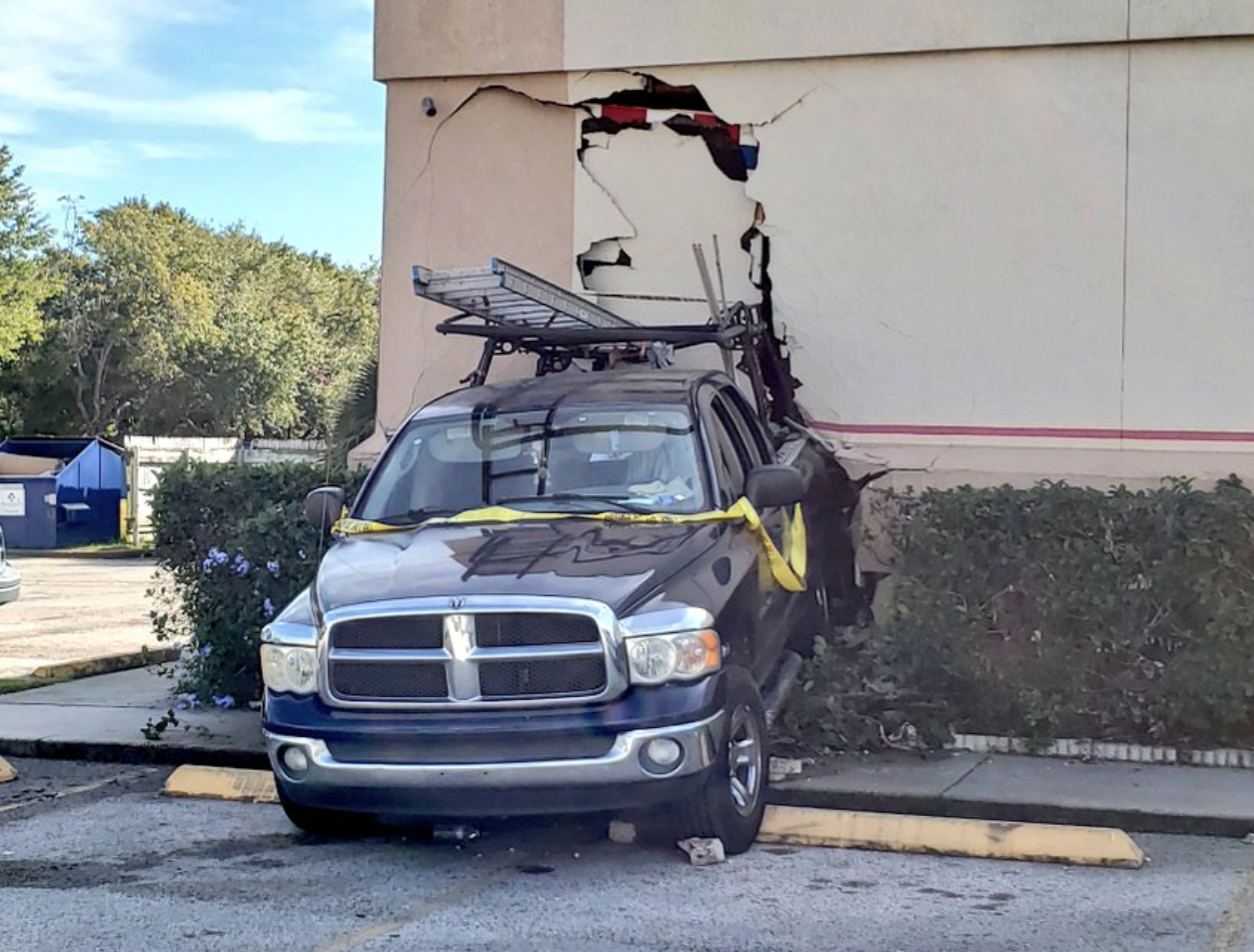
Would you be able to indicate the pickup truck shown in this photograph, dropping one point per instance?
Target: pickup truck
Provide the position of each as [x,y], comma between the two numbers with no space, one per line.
[577,592]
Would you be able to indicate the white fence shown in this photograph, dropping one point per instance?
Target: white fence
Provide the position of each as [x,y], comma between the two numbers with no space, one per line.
[147,456]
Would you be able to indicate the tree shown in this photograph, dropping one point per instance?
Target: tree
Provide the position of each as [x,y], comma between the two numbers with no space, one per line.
[168,326]
[25,279]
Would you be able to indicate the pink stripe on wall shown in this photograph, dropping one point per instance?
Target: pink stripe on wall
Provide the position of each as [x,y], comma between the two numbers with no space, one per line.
[1037,432]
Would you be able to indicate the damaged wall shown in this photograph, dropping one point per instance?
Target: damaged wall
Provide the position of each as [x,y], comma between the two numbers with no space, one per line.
[1005,263]
[946,231]
[671,196]
[1030,261]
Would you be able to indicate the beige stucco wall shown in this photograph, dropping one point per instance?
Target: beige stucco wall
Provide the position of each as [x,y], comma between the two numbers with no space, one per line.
[1018,246]
[490,174]
[947,233]
[1190,313]
[441,38]
[445,38]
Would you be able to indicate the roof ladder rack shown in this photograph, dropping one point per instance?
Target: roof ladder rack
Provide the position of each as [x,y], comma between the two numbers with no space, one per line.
[506,295]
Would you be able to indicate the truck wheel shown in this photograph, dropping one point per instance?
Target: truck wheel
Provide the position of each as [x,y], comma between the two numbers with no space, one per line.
[731,803]
[320,822]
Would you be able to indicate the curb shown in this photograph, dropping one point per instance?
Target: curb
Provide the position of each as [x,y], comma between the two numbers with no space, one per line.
[802,826]
[1107,751]
[106,664]
[217,783]
[1131,820]
[122,752]
[980,839]
[104,554]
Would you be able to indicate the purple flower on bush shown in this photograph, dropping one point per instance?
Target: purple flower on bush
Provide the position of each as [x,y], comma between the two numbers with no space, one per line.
[206,650]
[207,566]
[300,554]
[187,702]
[219,557]
[224,701]
[273,567]
[242,566]
[268,607]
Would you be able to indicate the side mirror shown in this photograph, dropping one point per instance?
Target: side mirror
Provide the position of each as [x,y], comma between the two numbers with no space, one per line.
[774,485]
[323,507]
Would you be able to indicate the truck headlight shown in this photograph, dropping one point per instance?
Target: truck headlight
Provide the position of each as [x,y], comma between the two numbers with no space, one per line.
[289,670]
[682,656]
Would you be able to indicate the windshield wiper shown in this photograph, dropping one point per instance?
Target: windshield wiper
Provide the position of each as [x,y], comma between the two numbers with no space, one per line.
[617,501]
[413,516]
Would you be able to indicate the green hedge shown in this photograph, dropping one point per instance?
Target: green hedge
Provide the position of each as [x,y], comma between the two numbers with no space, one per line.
[1043,612]
[1051,612]
[237,549]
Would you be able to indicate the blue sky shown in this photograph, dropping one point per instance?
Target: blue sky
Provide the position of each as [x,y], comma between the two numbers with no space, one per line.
[260,111]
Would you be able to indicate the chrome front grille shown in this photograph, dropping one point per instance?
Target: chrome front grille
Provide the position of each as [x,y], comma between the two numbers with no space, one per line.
[389,681]
[394,631]
[541,677]
[489,654]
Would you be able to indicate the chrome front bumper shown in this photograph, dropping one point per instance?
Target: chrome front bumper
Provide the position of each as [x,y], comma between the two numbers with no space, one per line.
[621,765]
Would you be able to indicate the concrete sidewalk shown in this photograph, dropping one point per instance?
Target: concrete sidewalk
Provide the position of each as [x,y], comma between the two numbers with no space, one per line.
[100,719]
[1145,798]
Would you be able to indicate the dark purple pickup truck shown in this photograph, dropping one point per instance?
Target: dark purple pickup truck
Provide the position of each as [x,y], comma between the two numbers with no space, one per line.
[611,642]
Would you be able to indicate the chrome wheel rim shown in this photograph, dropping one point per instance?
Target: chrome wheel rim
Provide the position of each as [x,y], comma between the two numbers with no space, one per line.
[744,760]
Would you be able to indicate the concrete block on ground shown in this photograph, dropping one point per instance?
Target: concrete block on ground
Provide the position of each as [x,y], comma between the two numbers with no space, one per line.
[703,851]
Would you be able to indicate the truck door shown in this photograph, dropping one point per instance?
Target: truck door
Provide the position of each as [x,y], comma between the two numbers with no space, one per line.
[783,612]
[743,613]
[740,453]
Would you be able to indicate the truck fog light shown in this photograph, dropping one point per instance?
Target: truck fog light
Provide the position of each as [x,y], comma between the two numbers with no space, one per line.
[661,755]
[295,760]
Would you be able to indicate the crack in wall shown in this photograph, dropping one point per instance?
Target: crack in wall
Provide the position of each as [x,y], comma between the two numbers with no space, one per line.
[633,100]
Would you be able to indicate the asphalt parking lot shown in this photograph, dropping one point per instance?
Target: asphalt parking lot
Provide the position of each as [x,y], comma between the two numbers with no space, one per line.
[88,861]
[73,608]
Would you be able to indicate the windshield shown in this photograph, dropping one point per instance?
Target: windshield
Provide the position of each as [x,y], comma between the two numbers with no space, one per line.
[576,460]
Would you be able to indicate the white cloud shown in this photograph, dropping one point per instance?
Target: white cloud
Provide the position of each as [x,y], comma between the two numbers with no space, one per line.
[280,115]
[11,124]
[85,160]
[156,151]
[82,57]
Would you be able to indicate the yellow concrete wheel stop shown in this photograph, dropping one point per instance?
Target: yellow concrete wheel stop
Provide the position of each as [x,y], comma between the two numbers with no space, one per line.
[983,839]
[222,783]
[7,771]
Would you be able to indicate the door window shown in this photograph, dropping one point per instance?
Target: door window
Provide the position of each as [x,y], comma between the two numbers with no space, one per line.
[729,465]
[750,428]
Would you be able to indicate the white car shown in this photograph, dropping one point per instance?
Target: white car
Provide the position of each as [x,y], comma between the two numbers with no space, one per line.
[10,577]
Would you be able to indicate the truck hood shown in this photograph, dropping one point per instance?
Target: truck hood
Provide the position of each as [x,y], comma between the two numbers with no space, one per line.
[614,563]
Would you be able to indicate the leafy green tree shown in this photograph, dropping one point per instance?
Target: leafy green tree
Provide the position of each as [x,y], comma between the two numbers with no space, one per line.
[355,416]
[25,280]
[165,325]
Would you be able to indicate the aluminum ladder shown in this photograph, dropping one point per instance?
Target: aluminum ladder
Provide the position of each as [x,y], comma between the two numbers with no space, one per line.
[506,295]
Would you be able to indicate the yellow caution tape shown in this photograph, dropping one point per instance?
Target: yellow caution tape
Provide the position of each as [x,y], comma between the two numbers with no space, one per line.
[788,570]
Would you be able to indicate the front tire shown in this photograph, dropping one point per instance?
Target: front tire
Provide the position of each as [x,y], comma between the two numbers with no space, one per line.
[731,803]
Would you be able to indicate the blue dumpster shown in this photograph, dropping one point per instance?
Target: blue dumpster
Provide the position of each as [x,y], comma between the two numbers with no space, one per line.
[56,493]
